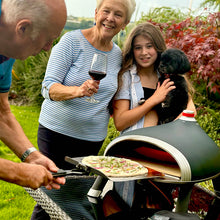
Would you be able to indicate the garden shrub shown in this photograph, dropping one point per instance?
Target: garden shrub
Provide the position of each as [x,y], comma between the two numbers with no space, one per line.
[164,15]
[31,73]
[209,121]
[111,135]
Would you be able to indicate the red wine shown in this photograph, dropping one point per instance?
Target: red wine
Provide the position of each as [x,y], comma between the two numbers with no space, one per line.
[96,75]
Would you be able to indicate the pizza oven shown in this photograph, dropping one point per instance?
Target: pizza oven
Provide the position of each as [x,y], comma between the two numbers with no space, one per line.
[180,150]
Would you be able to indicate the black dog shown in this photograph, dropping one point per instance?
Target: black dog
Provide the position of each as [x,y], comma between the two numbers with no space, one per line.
[173,64]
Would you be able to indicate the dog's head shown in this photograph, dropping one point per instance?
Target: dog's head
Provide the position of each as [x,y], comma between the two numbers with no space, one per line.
[173,61]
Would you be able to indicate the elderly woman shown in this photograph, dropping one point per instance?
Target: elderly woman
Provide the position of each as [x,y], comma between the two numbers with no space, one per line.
[70,126]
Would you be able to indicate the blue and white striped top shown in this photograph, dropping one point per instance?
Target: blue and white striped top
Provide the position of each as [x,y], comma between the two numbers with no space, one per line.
[68,64]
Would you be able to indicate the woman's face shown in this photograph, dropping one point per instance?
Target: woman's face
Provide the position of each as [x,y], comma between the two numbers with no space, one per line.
[144,52]
[111,18]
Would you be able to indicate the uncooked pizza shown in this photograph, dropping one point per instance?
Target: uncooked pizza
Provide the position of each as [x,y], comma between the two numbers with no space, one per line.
[115,166]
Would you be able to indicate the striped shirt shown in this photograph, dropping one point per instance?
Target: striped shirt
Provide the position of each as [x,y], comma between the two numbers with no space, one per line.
[68,64]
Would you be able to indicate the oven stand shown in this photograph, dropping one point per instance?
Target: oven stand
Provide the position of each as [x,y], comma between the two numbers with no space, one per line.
[184,197]
[94,196]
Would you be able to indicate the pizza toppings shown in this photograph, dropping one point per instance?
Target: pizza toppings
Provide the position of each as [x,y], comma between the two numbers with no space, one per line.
[114,166]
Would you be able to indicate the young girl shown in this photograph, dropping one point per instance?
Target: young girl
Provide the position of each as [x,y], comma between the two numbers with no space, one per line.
[138,80]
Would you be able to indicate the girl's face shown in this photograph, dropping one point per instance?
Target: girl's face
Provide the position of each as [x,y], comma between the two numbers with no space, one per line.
[144,52]
[111,18]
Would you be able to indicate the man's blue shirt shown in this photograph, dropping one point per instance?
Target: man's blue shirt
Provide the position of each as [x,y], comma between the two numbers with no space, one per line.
[5,75]
[5,71]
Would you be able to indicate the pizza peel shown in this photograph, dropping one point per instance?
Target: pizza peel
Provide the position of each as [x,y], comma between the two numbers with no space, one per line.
[85,169]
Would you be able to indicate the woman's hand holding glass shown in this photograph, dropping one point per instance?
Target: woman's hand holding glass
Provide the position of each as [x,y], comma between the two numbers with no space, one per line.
[88,88]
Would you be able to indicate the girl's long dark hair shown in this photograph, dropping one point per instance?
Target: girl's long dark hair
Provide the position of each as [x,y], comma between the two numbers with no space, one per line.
[152,33]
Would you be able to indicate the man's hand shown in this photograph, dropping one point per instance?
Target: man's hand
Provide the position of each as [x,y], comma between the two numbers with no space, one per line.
[28,175]
[38,158]
[33,176]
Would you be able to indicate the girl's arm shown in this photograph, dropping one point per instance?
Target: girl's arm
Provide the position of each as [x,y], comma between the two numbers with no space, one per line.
[190,106]
[125,117]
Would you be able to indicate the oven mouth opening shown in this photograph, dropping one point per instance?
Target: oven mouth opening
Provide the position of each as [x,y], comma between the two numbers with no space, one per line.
[147,154]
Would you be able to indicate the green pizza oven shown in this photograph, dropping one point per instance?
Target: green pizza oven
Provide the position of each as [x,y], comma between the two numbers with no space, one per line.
[180,150]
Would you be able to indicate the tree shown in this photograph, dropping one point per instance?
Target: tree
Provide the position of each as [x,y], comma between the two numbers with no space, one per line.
[164,15]
[214,3]
[199,39]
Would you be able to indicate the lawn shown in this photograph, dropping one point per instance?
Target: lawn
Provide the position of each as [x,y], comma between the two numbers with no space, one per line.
[15,203]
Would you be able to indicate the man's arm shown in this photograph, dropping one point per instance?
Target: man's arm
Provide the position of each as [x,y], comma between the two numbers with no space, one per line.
[12,134]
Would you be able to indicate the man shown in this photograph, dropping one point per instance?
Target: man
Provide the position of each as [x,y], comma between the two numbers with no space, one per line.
[26,28]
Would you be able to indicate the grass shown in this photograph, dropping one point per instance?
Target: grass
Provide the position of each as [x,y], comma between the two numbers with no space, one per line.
[15,202]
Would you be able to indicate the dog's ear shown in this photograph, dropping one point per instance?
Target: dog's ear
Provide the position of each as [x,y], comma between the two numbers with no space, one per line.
[174,61]
[184,64]
[181,61]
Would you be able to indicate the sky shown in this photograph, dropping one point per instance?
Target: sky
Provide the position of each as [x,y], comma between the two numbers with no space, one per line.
[86,8]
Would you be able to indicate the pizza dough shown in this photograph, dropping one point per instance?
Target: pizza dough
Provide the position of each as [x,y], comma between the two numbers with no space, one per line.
[115,166]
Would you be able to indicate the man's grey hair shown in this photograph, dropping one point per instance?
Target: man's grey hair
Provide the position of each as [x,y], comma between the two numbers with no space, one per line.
[130,4]
[37,11]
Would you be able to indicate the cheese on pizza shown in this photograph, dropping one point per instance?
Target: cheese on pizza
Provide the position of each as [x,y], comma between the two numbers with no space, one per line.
[115,166]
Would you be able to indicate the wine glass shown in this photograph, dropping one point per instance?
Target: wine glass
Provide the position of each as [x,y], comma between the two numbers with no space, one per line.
[97,71]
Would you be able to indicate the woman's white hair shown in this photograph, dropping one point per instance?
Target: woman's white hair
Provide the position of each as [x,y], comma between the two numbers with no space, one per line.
[37,11]
[130,4]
